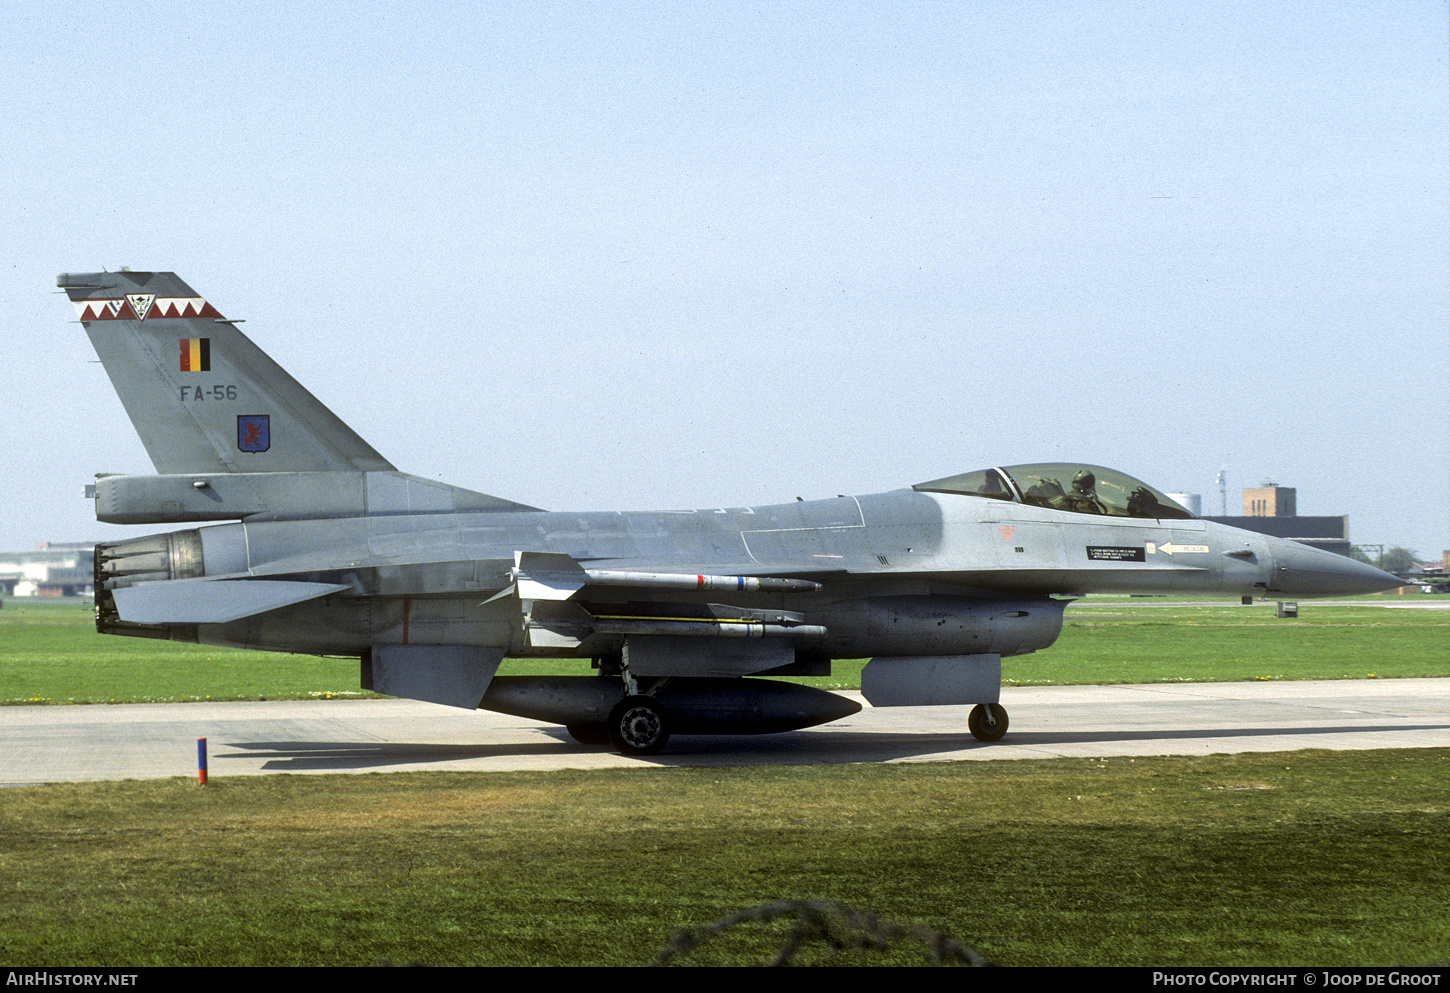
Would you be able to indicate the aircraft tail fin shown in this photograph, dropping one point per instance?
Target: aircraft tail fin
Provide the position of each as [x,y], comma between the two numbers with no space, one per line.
[201,395]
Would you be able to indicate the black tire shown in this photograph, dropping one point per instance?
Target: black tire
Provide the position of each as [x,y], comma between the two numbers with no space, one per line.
[987,721]
[588,734]
[638,726]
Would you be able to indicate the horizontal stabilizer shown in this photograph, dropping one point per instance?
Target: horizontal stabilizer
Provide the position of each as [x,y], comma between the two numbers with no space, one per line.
[200,601]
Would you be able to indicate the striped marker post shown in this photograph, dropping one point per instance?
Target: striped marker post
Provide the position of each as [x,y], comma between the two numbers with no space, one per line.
[201,761]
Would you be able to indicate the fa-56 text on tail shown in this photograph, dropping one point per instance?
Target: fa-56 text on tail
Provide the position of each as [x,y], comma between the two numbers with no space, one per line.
[314,543]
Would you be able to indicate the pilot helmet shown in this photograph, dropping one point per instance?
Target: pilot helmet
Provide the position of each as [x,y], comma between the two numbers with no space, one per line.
[1084,481]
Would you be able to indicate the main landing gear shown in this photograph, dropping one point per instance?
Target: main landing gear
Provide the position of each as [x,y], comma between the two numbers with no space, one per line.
[638,726]
[987,721]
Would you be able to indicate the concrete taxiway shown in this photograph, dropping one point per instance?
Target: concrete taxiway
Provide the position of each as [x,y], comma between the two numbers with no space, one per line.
[45,744]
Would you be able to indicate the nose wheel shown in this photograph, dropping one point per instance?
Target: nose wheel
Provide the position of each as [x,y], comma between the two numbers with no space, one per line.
[987,721]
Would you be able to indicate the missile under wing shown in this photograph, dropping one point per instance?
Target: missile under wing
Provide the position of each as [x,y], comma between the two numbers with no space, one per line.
[303,538]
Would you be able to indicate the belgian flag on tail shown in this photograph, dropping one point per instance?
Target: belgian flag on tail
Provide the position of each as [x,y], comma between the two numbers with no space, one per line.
[195,354]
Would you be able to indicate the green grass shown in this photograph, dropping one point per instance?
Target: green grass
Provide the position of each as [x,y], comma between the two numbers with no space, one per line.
[1144,641]
[1334,859]
[50,653]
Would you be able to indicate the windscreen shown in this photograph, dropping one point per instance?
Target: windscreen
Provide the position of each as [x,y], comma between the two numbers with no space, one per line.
[1070,486]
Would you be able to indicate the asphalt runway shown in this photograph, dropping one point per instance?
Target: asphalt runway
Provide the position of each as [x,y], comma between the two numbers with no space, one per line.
[80,743]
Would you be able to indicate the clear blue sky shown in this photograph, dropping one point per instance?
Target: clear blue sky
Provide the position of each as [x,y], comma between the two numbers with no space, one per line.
[635,256]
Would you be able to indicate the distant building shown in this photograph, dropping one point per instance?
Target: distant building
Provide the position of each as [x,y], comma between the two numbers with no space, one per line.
[1328,533]
[51,569]
[1269,500]
[1271,509]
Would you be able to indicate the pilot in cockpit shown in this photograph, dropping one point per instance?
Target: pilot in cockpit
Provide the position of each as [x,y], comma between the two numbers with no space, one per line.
[1084,497]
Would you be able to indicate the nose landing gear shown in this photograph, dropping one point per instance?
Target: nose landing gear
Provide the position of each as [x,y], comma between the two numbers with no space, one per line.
[987,721]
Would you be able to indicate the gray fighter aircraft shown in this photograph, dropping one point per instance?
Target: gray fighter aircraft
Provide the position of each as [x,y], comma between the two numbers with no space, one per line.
[332,551]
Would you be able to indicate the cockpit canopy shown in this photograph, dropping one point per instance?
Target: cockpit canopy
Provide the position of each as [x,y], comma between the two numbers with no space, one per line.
[1071,486]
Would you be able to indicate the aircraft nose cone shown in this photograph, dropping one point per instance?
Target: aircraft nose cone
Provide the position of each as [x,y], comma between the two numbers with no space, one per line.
[1304,571]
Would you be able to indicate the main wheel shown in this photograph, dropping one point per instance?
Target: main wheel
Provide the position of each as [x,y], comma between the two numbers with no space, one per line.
[638,726]
[588,734]
[987,721]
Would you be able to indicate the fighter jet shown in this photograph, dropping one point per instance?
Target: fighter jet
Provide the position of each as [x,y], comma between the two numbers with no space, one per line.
[314,543]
